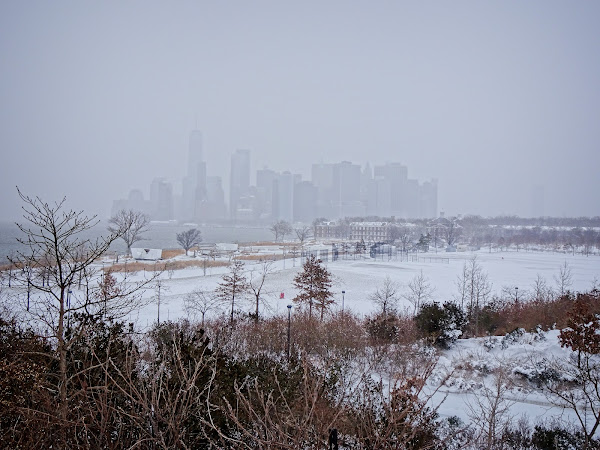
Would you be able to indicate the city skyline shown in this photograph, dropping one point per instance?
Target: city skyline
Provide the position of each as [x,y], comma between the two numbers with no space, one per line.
[333,191]
[495,100]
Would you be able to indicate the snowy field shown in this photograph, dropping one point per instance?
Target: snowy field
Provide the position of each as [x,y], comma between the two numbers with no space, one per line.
[359,278]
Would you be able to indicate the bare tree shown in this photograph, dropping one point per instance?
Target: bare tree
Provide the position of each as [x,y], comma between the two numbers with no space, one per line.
[474,290]
[386,296]
[402,234]
[451,232]
[189,238]
[257,282]
[56,253]
[540,290]
[419,291]
[281,229]
[129,225]
[489,411]
[303,233]
[234,284]
[564,279]
[343,228]
[201,301]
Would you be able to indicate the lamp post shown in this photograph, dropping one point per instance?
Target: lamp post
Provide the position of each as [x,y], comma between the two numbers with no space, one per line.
[343,297]
[289,307]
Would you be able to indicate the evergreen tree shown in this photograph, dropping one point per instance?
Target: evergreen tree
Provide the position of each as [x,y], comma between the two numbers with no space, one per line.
[424,242]
[233,284]
[314,283]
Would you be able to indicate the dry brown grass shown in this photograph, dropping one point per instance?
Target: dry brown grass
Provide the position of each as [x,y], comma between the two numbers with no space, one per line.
[165,265]
[269,244]
[260,244]
[172,253]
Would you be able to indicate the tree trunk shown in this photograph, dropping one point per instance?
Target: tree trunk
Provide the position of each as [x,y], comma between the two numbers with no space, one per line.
[62,361]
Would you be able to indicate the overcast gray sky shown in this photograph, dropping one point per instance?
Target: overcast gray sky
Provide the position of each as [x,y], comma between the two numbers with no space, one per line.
[491,98]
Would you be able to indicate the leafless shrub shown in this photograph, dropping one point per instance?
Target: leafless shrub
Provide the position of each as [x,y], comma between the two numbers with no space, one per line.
[489,410]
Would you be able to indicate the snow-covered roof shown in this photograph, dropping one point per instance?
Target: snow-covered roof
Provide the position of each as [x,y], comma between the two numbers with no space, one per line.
[226,247]
[146,254]
[368,224]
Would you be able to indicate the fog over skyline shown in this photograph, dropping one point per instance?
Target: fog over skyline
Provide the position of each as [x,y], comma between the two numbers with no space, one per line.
[492,99]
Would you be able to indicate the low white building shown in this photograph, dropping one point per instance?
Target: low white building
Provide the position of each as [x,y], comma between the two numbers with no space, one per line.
[146,254]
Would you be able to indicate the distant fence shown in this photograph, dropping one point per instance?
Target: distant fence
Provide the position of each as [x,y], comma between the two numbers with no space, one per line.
[394,255]
[430,259]
[419,257]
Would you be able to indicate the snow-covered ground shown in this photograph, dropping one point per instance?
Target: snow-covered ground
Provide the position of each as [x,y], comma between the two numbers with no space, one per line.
[473,367]
[358,278]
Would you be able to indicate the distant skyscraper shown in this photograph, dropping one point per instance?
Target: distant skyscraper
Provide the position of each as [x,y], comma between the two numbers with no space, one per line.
[322,178]
[397,175]
[379,197]
[366,177]
[346,182]
[283,197]
[215,197]
[264,191]
[428,202]
[239,182]
[305,201]
[134,201]
[161,198]
[195,179]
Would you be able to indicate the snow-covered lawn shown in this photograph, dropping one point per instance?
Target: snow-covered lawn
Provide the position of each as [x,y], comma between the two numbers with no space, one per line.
[358,278]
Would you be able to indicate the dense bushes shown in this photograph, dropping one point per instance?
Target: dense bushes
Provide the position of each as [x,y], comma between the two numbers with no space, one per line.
[502,316]
[175,387]
[441,325]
